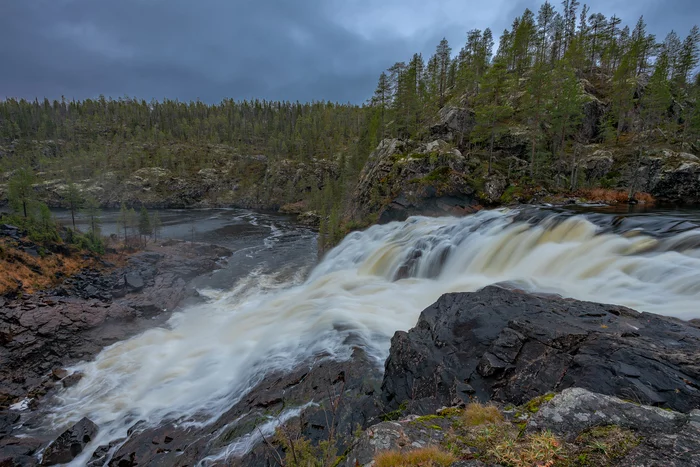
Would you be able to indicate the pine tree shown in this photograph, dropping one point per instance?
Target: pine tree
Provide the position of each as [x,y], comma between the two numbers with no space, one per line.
[442,54]
[566,110]
[91,209]
[157,225]
[20,191]
[123,222]
[132,221]
[74,199]
[382,99]
[145,228]
[656,98]
[492,108]
[545,20]
[623,86]
[688,57]
[534,106]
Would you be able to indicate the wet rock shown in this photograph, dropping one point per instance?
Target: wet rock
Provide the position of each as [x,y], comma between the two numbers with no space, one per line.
[350,387]
[511,346]
[72,379]
[70,444]
[134,281]
[59,373]
[18,452]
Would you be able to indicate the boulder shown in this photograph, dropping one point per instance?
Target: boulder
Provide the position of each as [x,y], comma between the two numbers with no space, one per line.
[672,176]
[668,438]
[71,443]
[453,123]
[597,165]
[506,345]
[134,281]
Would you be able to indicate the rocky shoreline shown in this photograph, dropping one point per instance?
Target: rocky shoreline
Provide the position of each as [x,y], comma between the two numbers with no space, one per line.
[615,372]
[43,333]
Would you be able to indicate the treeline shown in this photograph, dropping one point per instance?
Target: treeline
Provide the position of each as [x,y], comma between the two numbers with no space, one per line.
[128,134]
[545,70]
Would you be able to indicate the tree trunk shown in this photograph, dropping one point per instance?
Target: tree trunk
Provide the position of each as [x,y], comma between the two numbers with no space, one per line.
[493,137]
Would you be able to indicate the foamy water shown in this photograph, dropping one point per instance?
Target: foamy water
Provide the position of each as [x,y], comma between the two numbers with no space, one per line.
[374,283]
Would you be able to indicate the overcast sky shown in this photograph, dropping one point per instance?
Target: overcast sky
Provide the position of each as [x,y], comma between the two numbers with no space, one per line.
[272,49]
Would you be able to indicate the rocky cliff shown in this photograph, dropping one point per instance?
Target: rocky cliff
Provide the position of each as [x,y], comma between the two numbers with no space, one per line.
[446,175]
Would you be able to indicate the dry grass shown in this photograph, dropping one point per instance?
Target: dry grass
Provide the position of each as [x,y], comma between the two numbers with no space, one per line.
[41,272]
[478,414]
[539,449]
[602,195]
[432,456]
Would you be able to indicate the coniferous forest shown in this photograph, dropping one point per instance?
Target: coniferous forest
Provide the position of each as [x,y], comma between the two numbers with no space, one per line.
[561,83]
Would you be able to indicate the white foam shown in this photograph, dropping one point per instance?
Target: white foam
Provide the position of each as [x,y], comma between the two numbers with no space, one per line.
[209,356]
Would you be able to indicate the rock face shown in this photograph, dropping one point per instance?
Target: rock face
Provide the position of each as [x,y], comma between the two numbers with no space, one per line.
[584,424]
[344,398]
[246,181]
[672,176]
[454,124]
[70,443]
[504,345]
[668,438]
[431,179]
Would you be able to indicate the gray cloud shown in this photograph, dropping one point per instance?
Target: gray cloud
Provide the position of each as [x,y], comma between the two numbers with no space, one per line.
[272,49]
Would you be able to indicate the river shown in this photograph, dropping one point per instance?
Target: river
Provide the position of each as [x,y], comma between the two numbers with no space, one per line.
[271,309]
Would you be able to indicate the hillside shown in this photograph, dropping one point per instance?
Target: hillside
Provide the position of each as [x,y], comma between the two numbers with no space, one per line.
[569,104]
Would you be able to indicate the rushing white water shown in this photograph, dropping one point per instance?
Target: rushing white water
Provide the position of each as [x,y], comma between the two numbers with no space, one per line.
[373,284]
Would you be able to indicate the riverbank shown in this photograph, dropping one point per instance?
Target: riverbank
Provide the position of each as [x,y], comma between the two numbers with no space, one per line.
[45,332]
[622,400]
[276,363]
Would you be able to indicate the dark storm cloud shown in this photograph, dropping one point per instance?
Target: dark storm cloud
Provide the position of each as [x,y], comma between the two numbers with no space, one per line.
[274,49]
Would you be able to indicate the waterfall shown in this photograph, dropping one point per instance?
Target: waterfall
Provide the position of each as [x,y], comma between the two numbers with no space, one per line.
[371,285]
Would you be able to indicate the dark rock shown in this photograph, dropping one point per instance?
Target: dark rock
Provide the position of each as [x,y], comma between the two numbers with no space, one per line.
[59,373]
[91,291]
[72,379]
[70,444]
[355,382]
[18,452]
[511,346]
[134,281]
[31,251]
[454,123]
[670,176]
[597,165]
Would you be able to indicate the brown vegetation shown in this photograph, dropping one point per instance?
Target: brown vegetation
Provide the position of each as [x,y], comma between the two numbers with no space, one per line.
[432,456]
[21,271]
[607,196]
